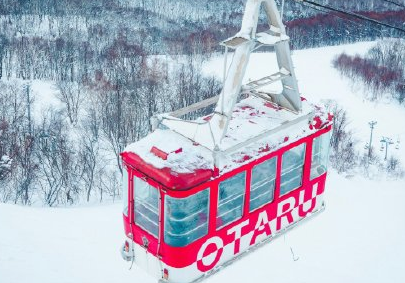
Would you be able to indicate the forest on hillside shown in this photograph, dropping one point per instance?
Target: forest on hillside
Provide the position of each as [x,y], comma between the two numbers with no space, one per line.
[113,65]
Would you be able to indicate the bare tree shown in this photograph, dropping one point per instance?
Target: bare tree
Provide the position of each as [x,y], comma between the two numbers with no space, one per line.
[5,167]
[343,155]
[92,157]
[59,167]
[17,141]
[72,95]
[394,168]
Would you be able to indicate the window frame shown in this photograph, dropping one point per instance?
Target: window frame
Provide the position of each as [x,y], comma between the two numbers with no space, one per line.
[150,186]
[291,168]
[243,200]
[319,153]
[125,191]
[208,222]
[274,180]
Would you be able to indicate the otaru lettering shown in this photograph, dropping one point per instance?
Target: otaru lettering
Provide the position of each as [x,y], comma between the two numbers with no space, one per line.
[245,235]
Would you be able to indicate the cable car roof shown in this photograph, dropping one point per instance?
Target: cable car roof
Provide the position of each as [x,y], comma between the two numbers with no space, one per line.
[257,128]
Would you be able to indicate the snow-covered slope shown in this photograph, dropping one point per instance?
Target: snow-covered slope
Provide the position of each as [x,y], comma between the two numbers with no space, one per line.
[319,81]
[359,237]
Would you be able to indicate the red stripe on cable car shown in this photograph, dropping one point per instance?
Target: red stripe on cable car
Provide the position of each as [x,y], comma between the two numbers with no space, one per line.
[165,176]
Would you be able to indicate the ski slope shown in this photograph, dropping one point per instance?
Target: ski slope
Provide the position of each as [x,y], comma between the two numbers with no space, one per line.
[319,82]
[359,237]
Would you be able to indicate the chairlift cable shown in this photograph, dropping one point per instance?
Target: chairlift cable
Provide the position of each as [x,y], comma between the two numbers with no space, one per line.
[394,3]
[351,14]
[341,17]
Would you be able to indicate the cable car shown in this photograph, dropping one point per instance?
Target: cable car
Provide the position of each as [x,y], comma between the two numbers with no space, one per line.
[200,194]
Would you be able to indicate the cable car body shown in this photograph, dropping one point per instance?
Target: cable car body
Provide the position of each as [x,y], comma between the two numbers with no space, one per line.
[200,194]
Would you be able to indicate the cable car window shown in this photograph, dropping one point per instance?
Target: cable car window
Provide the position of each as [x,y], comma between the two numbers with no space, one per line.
[125,191]
[186,219]
[320,155]
[292,169]
[231,194]
[262,184]
[146,206]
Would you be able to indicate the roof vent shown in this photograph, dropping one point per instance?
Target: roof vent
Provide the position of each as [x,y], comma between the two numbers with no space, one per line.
[162,154]
[159,153]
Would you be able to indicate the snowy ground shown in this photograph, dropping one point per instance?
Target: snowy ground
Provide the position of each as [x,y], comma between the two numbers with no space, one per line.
[44,95]
[359,238]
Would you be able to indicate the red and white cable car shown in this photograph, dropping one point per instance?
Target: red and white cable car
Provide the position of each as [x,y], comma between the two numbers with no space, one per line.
[202,193]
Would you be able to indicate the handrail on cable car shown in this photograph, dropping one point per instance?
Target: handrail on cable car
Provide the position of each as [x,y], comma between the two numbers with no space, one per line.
[188,232]
[227,212]
[147,218]
[262,194]
[147,205]
[229,199]
[262,182]
[187,217]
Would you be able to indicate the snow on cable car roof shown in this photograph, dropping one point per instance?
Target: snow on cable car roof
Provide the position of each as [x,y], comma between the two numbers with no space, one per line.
[190,158]
[251,118]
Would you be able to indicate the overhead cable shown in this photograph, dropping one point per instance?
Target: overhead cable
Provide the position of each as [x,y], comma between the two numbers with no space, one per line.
[351,14]
[339,16]
[394,3]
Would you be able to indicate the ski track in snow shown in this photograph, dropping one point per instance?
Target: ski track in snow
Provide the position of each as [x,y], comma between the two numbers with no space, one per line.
[359,237]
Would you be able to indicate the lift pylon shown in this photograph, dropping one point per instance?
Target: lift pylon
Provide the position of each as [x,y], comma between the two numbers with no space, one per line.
[210,133]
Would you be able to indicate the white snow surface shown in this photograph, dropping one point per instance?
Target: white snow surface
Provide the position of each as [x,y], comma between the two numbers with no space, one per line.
[168,141]
[250,118]
[269,39]
[359,238]
[44,95]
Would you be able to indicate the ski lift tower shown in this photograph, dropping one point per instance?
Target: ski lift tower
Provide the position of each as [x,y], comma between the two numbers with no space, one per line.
[199,194]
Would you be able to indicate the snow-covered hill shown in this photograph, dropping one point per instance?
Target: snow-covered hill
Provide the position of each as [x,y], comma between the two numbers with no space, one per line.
[359,237]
